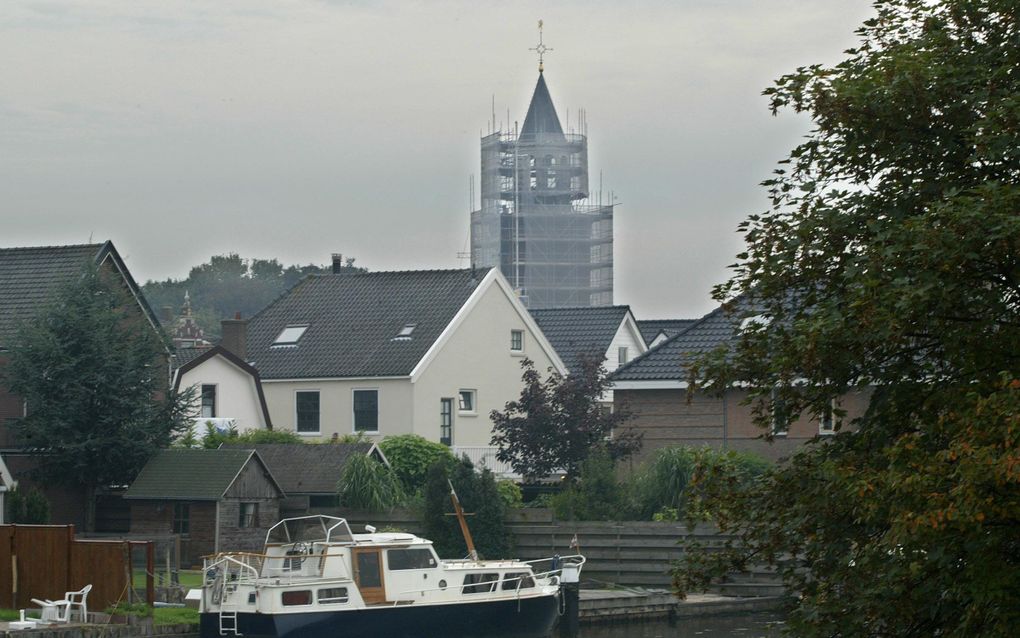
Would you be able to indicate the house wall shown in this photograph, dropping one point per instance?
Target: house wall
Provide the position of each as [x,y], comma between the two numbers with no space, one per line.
[236,394]
[628,336]
[476,357]
[666,418]
[336,405]
[251,486]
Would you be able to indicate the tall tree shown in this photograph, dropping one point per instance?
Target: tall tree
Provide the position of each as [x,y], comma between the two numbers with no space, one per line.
[558,421]
[93,374]
[889,264]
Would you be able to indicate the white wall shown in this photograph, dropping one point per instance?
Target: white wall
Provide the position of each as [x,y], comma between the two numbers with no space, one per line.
[336,404]
[236,395]
[627,335]
[477,357]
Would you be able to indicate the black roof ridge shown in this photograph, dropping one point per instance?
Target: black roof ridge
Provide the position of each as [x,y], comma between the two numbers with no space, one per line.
[669,320]
[644,355]
[613,306]
[52,246]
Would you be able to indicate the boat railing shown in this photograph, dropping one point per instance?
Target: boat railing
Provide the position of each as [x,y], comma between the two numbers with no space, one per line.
[246,567]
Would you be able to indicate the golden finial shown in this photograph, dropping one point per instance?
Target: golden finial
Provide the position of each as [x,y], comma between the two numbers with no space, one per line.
[541,49]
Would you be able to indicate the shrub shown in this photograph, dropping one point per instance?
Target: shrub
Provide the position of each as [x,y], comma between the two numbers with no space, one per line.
[411,456]
[479,495]
[368,485]
[511,494]
[269,436]
[28,507]
[671,483]
[596,496]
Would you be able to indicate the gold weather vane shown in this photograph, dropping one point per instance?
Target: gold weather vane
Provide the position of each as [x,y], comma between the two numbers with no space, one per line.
[541,49]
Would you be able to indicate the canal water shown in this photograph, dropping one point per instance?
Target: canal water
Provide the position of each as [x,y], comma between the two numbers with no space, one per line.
[754,625]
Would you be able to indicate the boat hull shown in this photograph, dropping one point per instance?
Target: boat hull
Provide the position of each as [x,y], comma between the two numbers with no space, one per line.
[533,616]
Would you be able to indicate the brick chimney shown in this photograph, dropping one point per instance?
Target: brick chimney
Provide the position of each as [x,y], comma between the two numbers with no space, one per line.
[235,336]
[338,263]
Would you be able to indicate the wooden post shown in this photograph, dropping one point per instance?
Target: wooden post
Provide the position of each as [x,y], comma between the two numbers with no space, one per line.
[150,569]
[126,553]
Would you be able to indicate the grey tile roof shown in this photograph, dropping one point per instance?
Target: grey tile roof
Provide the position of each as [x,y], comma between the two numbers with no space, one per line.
[188,475]
[670,360]
[352,320]
[305,468]
[574,332]
[183,356]
[30,277]
[650,328]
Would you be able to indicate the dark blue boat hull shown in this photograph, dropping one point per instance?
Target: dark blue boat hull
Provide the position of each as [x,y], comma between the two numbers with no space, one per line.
[524,617]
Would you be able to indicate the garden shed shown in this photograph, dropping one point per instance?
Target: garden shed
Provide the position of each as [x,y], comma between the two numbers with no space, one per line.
[215,500]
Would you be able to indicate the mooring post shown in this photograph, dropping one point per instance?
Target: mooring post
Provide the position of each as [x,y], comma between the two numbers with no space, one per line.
[570,589]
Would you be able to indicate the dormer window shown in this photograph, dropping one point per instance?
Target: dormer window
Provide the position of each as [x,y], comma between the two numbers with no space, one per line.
[290,335]
[405,332]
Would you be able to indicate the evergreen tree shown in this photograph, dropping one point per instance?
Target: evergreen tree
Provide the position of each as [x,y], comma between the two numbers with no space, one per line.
[93,374]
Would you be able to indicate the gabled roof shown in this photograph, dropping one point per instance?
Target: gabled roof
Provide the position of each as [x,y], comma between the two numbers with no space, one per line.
[575,332]
[353,322]
[198,356]
[184,356]
[670,361]
[307,468]
[541,119]
[31,276]
[651,328]
[193,475]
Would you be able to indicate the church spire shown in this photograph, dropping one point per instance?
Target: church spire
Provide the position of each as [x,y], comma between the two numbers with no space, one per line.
[541,119]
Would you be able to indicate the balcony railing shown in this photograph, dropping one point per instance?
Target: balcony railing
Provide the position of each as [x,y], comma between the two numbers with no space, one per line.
[484,455]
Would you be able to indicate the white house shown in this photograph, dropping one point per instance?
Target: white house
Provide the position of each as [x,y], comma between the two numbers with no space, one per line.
[426,352]
[225,387]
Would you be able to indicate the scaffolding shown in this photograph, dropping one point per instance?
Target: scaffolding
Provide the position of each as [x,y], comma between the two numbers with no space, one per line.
[536,221]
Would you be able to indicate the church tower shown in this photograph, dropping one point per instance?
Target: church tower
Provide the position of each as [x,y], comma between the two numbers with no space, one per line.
[537,222]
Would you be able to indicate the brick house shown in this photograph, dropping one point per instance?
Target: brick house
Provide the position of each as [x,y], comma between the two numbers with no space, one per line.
[654,388]
[29,279]
[216,500]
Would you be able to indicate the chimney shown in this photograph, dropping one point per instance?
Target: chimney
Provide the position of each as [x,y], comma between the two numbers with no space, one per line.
[167,314]
[235,336]
[338,263]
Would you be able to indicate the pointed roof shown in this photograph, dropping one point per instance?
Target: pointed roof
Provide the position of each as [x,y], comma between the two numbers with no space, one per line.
[541,119]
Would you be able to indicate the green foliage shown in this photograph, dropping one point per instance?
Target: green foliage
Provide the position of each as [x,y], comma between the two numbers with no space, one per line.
[478,494]
[369,485]
[887,265]
[214,438]
[511,494]
[411,456]
[28,507]
[93,373]
[174,616]
[129,609]
[663,485]
[555,423]
[228,284]
[596,496]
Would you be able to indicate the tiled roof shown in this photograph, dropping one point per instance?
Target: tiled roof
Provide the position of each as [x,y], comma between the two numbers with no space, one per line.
[183,356]
[650,328]
[352,321]
[30,277]
[574,332]
[305,468]
[189,475]
[670,360]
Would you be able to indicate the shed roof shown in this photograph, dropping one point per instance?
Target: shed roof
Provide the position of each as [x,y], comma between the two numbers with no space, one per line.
[305,468]
[192,475]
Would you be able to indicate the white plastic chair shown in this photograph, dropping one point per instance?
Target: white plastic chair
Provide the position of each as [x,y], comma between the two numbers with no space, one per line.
[65,606]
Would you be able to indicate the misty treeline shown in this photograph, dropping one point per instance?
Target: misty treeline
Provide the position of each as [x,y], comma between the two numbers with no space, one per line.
[226,285]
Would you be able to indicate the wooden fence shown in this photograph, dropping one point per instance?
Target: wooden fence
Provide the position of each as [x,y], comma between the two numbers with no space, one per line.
[45,561]
[634,553]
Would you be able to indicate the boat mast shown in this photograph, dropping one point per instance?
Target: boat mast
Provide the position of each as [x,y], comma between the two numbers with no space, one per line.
[463,522]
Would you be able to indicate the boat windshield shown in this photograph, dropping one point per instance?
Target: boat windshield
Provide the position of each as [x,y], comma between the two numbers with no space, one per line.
[310,529]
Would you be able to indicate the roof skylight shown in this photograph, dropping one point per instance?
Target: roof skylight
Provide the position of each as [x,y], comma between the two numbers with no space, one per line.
[405,332]
[290,335]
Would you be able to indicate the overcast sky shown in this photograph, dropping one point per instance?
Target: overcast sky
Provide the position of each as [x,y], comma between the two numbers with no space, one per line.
[294,129]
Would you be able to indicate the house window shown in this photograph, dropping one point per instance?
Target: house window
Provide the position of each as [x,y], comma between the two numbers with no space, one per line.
[467,401]
[446,421]
[248,516]
[290,335]
[621,355]
[208,401]
[517,341]
[366,410]
[827,423]
[182,518]
[780,415]
[307,403]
